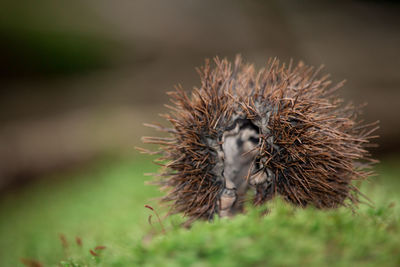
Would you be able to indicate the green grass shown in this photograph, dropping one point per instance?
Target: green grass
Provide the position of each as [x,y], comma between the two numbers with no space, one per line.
[104,205]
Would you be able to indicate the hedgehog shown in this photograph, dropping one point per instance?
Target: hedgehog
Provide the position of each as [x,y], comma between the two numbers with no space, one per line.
[281,130]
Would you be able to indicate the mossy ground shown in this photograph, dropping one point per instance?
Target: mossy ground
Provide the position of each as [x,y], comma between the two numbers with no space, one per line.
[103,205]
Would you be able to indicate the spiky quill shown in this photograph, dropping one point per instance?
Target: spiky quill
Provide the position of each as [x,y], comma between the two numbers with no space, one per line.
[277,131]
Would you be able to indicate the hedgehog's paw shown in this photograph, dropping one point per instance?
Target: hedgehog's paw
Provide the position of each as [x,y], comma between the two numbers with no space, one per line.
[259,177]
[226,202]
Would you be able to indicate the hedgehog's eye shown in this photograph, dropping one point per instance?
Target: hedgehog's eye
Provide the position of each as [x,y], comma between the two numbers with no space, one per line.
[254,139]
[249,133]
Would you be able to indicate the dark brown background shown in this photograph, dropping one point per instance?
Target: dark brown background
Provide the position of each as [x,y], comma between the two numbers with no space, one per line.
[78,78]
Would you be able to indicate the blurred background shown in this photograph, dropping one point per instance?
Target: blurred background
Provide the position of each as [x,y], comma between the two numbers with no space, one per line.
[78,78]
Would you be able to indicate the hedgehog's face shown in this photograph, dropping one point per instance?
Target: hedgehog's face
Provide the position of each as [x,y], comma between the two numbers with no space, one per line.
[240,147]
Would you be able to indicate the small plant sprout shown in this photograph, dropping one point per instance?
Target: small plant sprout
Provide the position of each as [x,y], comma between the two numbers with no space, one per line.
[63,241]
[93,253]
[31,263]
[64,244]
[158,217]
[281,130]
[78,241]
